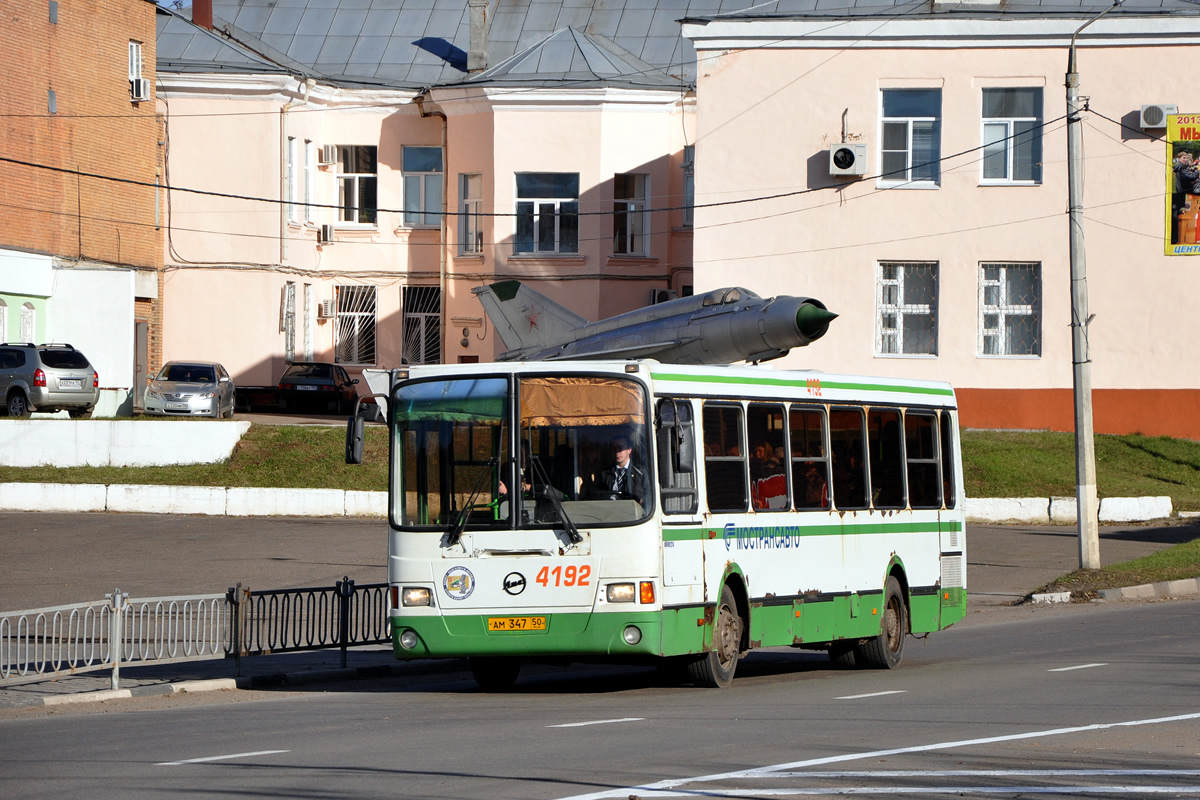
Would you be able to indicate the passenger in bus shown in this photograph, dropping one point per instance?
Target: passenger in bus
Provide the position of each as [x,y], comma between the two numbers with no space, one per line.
[622,479]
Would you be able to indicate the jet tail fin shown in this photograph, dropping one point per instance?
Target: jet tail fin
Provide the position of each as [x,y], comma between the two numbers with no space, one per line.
[525,318]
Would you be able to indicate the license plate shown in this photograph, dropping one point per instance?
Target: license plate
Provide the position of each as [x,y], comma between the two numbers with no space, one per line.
[307,388]
[516,623]
[70,383]
[177,406]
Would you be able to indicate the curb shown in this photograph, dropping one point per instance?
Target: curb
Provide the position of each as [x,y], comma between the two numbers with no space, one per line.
[1144,591]
[269,681]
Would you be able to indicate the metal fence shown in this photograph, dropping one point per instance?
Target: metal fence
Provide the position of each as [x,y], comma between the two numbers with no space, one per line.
[43,643]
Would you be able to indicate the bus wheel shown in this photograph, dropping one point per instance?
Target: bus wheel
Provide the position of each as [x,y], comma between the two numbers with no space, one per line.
[842,654]
[495,673]
[716,669]
[885,650]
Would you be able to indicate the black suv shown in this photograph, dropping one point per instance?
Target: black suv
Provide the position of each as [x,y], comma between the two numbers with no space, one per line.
[47,377]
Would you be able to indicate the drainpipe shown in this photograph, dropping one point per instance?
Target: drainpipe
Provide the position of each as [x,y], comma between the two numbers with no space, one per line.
[283,143]
[444,327]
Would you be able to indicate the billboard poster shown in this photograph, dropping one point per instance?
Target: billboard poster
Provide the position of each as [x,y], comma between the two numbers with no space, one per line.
[1183,184]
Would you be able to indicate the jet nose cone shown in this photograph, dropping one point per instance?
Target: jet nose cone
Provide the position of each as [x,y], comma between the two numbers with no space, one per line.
[813,319]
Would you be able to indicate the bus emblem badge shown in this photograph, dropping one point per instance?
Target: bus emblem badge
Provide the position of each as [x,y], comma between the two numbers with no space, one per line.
[458,583]
[514,583]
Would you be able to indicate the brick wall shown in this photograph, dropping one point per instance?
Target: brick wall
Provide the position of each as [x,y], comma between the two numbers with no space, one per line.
[97,128]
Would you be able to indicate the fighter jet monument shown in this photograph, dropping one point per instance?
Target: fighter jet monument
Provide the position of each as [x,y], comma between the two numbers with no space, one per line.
[723,326]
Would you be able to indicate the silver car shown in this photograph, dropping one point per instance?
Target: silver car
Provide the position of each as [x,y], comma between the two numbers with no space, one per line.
[47,378]
[190,389]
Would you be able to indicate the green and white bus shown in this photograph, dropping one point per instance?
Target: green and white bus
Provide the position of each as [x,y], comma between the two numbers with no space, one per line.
[760,508]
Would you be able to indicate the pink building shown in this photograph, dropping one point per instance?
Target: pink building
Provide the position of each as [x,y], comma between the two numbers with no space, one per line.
[941,234]
[342,177]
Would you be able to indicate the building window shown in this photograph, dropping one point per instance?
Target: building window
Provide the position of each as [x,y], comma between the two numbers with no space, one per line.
[1010,309]
[139,88]
[422,314]
[911,136]
[310,171]
[422,168]
[906,299]
[354,336]
[1012,135]
[357,184]
[3,321]
[287,322]
[470,233]
[629,214]
[290,187]
[28,323]
[689,184]
[547,212]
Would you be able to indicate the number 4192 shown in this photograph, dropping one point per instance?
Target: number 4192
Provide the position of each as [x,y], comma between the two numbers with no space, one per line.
[564,576]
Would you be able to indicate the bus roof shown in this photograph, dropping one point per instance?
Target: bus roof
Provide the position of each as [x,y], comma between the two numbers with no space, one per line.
[707,380]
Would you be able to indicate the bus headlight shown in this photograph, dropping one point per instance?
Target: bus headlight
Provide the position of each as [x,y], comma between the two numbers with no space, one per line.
[620,593]
[415,596]
[408,639]
[632,634]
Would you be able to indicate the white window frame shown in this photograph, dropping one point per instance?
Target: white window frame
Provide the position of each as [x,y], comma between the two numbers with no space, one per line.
[288,322]
[3,321]
[310,187]
[546,214]
[892,312]
[689,185]
[1002,132]
[290,187]
[353,185]
[356,326]
[925,173]
[135,60]
[421,313]
[28,332]
[996,309]
[423,189]
[631,220]
[470,204]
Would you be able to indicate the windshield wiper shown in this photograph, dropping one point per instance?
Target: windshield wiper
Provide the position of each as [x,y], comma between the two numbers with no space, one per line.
[548,492]
[455,534]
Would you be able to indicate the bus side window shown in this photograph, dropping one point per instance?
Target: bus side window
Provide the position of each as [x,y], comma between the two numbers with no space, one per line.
[949,491]
[768,459]
[849,472]
[724,458]
[887,458]
[810,463]
[921,452]
[676,457]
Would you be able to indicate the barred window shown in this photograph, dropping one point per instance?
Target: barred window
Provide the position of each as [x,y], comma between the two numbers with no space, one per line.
[422,324]
[355,333]
[906,301]
[1010,309]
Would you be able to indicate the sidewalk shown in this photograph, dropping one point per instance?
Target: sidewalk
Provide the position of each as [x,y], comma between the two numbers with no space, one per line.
[1005,564]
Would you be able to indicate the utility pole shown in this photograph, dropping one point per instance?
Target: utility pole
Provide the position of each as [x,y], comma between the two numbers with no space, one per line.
[1087,507]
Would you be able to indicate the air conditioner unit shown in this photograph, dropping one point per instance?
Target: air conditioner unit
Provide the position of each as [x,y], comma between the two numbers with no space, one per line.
[325,234]
[139,89]
[325,309]
[329,153]
[662,295]
[1155,115]
[847,159]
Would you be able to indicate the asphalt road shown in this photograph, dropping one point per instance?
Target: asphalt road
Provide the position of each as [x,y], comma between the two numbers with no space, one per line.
[1093,700]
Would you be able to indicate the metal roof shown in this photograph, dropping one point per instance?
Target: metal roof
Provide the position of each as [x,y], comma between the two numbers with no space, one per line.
[419,43]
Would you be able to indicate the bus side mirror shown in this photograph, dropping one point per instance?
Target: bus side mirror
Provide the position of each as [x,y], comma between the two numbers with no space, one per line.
[354,440]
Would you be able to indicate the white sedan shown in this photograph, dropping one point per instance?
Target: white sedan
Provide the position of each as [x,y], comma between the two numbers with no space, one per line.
[190,389]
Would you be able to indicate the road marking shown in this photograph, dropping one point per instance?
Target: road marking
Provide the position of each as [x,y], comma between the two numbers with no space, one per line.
[872,694]
[663,788]
[992,773]
[923,791]
[1081,666]
[220,758]
[596,722]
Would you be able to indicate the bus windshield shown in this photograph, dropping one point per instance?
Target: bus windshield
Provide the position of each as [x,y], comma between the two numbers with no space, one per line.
[571,449]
